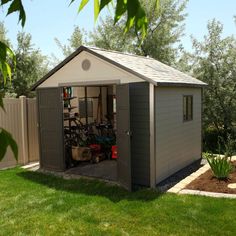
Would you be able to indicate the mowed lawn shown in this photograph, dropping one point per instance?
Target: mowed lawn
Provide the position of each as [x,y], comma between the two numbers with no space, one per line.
[37,204]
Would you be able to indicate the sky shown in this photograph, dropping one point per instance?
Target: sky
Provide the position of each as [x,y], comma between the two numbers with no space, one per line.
[47,19]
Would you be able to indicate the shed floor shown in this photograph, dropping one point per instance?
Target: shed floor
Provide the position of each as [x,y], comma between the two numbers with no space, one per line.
[106,169]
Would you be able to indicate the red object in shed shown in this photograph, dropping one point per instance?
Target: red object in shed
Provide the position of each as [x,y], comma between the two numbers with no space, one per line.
[96,148]
[114,152]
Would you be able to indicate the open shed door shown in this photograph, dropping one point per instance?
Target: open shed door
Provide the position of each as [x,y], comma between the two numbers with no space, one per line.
[50,117]
[123,136]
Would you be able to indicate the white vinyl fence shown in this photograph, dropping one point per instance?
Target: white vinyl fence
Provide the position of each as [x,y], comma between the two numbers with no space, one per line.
[20,119]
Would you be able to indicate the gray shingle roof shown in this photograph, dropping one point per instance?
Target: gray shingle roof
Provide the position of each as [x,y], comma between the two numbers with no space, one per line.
[146,68]
[153,70]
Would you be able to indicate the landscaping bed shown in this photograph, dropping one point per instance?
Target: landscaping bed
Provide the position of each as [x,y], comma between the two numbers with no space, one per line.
[207,182]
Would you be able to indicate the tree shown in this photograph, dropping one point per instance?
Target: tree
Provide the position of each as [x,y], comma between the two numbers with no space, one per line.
[215,59]
[164,29]
[77,39]
[31,66]
[109,36]
[3,34]
[132,9]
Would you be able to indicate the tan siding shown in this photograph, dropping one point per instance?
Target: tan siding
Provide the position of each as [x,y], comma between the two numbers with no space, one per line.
[33,141]
[11,121]
[178,143]
[20,114]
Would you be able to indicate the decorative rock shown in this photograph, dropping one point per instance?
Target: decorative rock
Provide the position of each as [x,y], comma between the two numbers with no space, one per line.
[232,186]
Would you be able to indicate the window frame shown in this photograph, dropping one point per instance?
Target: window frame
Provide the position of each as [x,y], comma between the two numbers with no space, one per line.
[189,115]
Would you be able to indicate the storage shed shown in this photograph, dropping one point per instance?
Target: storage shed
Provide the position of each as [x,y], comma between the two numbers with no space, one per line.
[156,112]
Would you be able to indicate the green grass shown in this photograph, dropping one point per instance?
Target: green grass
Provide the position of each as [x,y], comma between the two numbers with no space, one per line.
[37,204]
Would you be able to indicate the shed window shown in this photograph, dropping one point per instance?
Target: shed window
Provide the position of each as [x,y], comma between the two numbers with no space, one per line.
[188,107]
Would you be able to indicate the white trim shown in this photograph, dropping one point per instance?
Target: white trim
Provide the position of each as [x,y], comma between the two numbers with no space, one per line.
[92,83]
[152,136]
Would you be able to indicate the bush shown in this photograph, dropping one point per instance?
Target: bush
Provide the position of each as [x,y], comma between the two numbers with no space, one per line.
[220,166]
[211,140]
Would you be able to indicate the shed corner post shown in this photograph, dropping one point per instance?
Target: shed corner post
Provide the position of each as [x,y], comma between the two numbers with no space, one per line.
[152,135]
[24,127]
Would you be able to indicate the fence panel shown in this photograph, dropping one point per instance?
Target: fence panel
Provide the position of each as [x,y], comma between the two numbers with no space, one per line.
[33,141]
[20,119]
[11,120]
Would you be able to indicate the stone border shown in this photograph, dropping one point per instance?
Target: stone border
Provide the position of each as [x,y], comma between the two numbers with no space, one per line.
[208,194]
[179,188]
[183,183]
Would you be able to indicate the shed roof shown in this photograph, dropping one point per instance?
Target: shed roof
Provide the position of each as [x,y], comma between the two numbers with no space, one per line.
[146,68]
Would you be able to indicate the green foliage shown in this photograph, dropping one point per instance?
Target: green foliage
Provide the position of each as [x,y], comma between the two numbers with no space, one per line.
[211,138]
[220,166]
[164,29]
[6,140]
[6,57]
[15,6]
[111,37]
[229,146]
[215,65]
[31,66]
[77,39]
[132,9]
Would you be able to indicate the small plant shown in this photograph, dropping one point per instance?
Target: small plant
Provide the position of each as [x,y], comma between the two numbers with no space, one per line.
[220,166]
[229,147]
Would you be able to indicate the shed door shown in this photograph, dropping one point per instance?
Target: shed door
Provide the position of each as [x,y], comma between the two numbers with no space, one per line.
[123,136]
[50,111]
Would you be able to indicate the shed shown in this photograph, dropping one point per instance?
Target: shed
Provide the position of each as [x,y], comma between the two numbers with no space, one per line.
[158,112]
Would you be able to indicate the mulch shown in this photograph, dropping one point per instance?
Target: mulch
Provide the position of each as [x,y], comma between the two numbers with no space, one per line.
[207,182]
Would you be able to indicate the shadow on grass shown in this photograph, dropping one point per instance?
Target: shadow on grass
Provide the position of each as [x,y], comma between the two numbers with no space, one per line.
[89,187]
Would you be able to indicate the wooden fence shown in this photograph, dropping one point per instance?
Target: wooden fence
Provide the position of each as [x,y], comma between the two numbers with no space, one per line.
[20,119]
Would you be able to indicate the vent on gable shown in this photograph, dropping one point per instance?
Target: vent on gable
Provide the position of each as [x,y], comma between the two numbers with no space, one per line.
[86,64]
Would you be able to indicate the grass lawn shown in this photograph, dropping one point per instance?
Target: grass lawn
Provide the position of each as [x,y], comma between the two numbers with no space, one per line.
[36,204]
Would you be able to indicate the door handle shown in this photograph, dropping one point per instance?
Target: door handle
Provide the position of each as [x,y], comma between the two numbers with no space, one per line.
[128,132]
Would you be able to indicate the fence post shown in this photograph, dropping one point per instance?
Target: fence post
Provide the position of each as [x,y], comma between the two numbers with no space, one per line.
[24,126]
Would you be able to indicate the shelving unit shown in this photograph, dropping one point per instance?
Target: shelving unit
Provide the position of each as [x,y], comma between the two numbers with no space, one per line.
[67,97]
[67,106]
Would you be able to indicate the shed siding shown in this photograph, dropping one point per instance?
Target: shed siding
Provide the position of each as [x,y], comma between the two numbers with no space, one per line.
[140,139]
[178,143]
[50,119]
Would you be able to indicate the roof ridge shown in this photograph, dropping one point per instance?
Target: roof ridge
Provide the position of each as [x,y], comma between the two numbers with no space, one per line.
[134,55]
[123,53]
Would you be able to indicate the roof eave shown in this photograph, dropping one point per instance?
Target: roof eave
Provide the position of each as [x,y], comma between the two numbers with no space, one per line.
[170,84]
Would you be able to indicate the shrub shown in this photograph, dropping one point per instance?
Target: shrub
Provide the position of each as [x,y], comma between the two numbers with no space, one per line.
[220,166]
[213,138]
[229,147]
